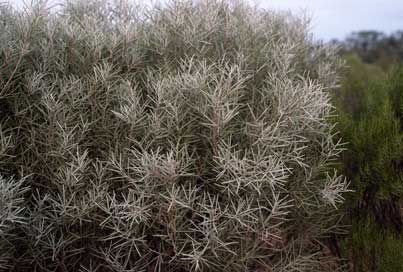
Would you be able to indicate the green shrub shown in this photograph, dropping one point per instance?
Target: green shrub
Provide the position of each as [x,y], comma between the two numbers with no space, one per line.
[371,124]
[371,247]
[189,137]
[374,144]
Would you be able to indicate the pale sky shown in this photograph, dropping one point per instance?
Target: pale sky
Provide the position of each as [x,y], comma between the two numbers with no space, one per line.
[336,18]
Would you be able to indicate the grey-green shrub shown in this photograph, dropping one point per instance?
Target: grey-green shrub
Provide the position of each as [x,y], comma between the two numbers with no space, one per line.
[192,136]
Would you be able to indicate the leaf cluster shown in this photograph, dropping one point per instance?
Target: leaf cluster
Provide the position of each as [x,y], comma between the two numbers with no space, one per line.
[192,136]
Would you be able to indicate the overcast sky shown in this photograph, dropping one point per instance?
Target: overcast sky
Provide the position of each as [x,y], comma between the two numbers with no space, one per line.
[336,18]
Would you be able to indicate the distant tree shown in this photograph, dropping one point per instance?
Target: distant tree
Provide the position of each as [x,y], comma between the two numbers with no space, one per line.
[364,40]
[375,47]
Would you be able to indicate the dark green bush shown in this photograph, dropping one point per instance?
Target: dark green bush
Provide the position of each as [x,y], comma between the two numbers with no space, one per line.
[189,137]
[374,247]
[371,124]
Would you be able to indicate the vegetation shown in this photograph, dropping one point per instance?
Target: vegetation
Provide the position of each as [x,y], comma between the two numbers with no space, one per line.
[375,47]
[370,119]
[189,137]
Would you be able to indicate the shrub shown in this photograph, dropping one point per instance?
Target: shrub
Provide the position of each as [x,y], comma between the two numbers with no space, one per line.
[187,137]
[372,127]
[371,247]
[374,144]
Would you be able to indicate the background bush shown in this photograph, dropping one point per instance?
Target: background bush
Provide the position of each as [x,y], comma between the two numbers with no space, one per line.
[370,121]
[189,137]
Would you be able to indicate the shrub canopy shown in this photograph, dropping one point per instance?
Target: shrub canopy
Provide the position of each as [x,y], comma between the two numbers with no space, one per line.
[192,136]
[370,120]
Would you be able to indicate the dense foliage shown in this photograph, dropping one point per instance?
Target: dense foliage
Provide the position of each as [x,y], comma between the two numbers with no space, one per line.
[370,105]
[384,50]
[189,137]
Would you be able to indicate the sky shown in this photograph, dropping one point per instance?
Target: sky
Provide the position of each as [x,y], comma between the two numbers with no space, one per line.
[335,19]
